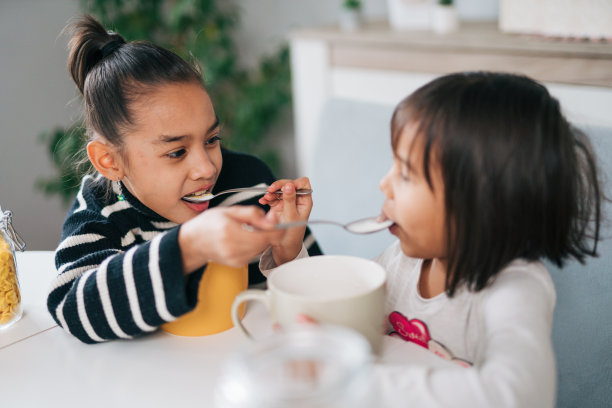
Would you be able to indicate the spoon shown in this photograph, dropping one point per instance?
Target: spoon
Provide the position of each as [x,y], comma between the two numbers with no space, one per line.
[362,226]
[207,196]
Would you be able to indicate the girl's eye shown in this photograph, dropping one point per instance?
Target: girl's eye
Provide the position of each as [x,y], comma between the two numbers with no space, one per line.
[176,154]
[213,141]
[404,174]
[401,171]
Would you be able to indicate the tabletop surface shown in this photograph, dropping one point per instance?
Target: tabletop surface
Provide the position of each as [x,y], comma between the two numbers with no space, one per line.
[44,366]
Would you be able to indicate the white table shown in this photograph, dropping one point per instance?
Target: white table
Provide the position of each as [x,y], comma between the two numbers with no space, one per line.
[41,365]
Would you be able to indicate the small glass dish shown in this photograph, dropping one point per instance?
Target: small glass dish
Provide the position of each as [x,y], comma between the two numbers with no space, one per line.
[305,365]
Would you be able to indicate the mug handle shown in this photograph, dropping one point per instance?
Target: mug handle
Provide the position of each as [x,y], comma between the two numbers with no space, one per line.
[250,294]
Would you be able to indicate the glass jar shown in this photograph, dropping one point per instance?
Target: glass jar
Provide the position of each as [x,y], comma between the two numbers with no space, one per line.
[306,366]
[10,295]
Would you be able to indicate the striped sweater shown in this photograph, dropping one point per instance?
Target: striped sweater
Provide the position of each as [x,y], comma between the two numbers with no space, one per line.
[119,263]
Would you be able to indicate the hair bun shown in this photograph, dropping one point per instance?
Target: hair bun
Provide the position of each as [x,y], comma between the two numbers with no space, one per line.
[111,46]
[89,44]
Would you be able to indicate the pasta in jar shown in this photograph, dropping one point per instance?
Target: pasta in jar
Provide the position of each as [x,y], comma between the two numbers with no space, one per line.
[10,296]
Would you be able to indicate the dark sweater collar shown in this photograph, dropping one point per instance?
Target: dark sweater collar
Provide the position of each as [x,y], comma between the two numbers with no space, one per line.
[138,205]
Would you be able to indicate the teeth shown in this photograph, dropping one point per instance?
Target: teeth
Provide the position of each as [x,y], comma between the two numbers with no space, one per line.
[198,194]
[198,197]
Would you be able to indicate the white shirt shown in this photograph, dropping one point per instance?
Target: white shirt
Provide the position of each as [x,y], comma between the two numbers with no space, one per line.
[504,331]
[495,344]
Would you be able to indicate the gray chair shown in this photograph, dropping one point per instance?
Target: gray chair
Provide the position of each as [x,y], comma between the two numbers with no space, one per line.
[582,331]
[353,152]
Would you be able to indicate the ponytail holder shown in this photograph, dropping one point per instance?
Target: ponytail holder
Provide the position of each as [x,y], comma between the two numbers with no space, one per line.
[111,47]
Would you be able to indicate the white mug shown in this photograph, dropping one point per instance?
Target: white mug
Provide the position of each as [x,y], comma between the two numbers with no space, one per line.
[334,289]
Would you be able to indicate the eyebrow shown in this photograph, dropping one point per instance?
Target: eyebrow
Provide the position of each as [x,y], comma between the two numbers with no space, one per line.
[170,139]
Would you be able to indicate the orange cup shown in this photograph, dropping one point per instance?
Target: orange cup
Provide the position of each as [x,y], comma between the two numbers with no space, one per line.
[218,288]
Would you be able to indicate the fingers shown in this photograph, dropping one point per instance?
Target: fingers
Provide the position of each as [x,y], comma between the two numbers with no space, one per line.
[304,202]
[302,182]
[305,319]
[273,217]
[272,198]
[263,232]
[251,215]
[240,245]
[289,205]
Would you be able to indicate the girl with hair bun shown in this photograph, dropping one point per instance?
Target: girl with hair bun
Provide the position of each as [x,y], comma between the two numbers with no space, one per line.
[133,247]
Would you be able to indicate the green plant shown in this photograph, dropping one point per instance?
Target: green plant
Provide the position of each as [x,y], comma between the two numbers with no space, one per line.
[445,2]
[68,156]
[352,4]
[248,102]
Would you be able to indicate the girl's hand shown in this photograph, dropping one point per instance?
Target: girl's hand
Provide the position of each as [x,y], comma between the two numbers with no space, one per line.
[218,235]
[288,209]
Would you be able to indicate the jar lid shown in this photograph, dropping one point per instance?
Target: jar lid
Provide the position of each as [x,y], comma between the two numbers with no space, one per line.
[6,223]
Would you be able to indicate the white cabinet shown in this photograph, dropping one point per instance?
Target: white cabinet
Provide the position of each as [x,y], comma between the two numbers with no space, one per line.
[379,65]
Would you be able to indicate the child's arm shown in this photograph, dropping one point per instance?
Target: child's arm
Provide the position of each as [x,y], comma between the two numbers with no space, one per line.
[103,293]
[106,292]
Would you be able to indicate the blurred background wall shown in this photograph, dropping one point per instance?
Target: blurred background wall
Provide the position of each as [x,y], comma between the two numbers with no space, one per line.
[36,93]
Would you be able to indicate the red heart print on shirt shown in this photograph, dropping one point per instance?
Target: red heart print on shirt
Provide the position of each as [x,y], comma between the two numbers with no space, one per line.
[413,330]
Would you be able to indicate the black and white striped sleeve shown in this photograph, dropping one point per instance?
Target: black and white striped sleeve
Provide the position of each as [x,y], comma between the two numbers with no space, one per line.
[103,293]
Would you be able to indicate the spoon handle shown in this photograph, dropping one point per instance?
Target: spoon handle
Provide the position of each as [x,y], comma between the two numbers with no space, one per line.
[285,225]
[302,223]
[291,224]
[363,226]
[300,191]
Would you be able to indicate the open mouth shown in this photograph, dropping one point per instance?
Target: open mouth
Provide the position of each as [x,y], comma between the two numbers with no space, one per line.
[198,196]
[383,218]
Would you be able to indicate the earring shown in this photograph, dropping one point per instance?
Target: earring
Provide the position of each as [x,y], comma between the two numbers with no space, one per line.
[117,189]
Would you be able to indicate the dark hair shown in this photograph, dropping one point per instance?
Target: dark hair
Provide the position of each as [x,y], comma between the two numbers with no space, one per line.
[112,74]
[519,180]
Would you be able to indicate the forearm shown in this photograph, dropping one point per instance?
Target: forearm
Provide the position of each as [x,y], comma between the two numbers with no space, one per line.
[495,384]
[125,295]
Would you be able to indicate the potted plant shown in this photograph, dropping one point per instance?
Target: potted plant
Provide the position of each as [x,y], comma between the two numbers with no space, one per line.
[350,15]
[444,18]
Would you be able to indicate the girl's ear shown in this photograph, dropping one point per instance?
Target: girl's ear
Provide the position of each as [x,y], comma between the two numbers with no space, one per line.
[105,159]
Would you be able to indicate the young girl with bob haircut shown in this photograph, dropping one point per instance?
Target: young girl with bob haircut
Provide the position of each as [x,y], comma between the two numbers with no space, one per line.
[488,178]
[133,247]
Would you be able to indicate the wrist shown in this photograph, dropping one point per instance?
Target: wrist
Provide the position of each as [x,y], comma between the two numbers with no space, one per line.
[191,251]
[283,254]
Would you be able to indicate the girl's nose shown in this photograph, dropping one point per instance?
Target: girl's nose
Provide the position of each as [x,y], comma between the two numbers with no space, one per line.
[384,184]
[202,166]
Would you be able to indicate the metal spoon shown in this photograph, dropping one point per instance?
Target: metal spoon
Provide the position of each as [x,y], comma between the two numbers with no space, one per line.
[362,226]
[207,196]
